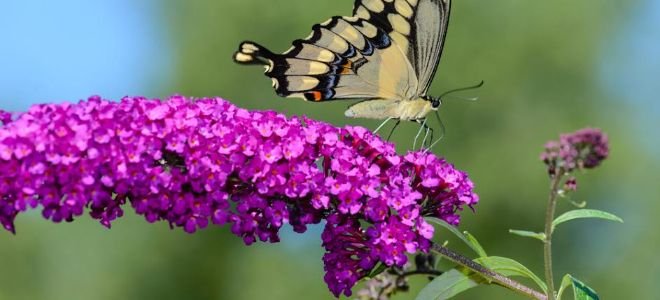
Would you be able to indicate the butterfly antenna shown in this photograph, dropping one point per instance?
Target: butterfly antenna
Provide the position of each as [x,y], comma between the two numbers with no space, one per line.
[442,131]
[462,98]
[476,86]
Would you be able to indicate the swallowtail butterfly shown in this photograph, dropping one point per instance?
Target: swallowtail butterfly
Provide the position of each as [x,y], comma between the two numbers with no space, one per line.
[386,53]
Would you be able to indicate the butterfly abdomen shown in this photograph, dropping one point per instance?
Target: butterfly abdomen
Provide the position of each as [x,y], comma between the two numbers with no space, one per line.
[406,110]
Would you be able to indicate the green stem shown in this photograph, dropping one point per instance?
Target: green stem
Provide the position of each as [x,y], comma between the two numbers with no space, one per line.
[547,243]
[488,273]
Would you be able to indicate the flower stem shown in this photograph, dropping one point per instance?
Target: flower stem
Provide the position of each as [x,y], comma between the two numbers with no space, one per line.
[488,273]
[547,243]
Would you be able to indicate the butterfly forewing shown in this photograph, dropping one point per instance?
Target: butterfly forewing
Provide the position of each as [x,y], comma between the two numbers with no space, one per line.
[431,23]
[418,27]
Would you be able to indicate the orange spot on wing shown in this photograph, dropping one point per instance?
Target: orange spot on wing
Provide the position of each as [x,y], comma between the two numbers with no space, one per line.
[316,95]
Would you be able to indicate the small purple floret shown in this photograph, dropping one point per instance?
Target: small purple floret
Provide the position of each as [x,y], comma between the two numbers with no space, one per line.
[5,117]
[583,149]
[196,163]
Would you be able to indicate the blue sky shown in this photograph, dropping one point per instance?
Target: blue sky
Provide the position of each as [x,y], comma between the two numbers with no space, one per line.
[51,51]
[630,69]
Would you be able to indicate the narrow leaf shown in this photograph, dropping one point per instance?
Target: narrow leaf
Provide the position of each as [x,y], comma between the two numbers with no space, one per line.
[524,233]
[510,267]
[565,282]
[449,284]
[582,214]
[380,268]
[580,290]
[475,244]
[455,231]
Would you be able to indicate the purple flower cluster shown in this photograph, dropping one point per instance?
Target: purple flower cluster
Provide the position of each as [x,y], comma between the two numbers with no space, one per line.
[5,117]
[192,163]
[585,148]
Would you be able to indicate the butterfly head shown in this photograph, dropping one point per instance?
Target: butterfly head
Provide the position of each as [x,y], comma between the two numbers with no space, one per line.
[435,101]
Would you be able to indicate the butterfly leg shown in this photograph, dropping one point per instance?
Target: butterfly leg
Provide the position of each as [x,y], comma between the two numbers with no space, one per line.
[392,131]
[429,132]
[382,124]
[442,133]
[422,125]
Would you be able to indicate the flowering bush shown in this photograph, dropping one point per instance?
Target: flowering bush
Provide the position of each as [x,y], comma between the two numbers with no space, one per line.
[192,163]
[198,162]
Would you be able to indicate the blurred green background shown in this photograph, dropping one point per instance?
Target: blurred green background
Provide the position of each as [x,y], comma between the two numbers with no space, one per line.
[549,67]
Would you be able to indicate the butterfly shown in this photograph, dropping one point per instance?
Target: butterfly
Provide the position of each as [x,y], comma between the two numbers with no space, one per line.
[386,53]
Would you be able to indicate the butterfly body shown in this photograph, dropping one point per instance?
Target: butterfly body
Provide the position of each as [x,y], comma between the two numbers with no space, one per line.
[405,110]
[386,53]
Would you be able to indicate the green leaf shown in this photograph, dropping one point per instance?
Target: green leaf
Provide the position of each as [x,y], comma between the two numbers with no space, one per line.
[510,267]
[475,244]
[457,233]
[580,290]
[524,233]
[461,279]
[449,284]
[380,268]
[584,213]
[565,282]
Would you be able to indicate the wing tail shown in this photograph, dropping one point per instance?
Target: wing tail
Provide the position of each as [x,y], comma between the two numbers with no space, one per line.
[251,53]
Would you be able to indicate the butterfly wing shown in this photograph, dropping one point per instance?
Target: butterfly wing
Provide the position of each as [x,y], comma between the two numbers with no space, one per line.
[431,30]
[417,27]
[343,58]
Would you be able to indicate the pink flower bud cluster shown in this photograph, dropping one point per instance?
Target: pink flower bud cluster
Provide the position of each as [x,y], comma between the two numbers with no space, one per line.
[585,148]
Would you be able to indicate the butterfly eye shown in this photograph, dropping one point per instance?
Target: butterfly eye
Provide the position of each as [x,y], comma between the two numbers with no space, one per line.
[435,103]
